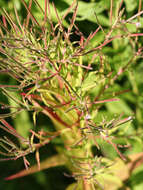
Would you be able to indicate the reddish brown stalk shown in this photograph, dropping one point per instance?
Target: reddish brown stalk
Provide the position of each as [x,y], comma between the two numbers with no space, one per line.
[5,28]
[45,22]
[99,23]
[81,42]
[104,101]
[11,130]
[36,2]
[58,18]
[131,18]
[8,86]
[26,163]
[31,96]
[102,45]
[28,15]
[139,8]
[68,10]
[76,64]
[78,32]
[111,11]
[28,10]
[18,20]
[72,21]
[51,114]
[50,162]
[45,15]
[120,7]
[116,148]
[7,159]
[109,41]
[44,141]
[51,76]
[1,32]
[6,106]
[120,92]
[50,19]
[83,66]
[38,158]
[135,35]
[11,22]
[62,104]
[91,36]
[4,21]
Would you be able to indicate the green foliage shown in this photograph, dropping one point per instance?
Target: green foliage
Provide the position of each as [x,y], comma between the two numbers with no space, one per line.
[90,89]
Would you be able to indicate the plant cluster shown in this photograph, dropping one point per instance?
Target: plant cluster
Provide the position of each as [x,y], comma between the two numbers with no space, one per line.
[70,82]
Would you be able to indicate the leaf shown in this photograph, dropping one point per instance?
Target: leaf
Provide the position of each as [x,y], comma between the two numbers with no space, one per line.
[21,121]
[136,171]
[90,82]
[130,5]
[50,162]
[122,172]
[109,182]
[119,107]
[73,186]
[86,11]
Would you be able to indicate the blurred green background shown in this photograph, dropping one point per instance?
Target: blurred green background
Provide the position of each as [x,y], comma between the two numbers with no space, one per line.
[131,103]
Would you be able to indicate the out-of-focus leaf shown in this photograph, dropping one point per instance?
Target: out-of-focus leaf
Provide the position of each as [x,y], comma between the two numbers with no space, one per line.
[90,82]
[130,5]
[22,121]
[136,169]
[103,20]
[17,4]
[73,186]
[122,171]
[87,11]
[140,99]
[109,182]
[132,27]
[119,107]
[97,39]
